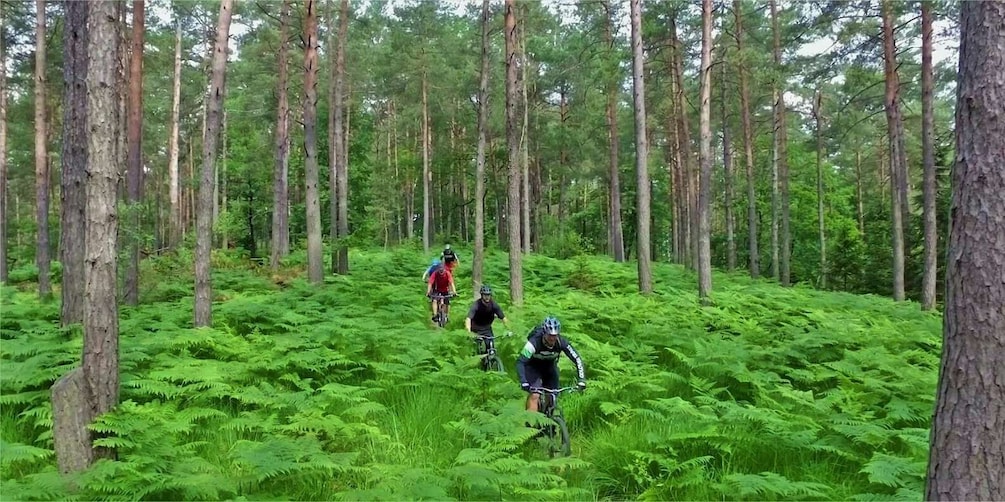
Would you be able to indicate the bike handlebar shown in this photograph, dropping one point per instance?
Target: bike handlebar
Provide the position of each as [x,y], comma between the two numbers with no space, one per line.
[440,296]
[543,390]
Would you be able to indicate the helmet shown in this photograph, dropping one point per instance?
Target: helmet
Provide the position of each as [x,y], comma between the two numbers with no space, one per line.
[436,262]
[447,247]
[551,325]
[485,290]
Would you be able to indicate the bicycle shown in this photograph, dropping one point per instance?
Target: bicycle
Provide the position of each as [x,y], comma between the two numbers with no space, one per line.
[441,317]
[485,344]
[557,435]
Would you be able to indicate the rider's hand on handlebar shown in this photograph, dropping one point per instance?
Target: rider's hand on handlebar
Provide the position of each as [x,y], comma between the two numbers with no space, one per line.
[525,387]
[581,385]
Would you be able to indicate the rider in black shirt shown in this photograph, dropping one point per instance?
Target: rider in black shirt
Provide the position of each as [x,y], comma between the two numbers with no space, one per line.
[537,365]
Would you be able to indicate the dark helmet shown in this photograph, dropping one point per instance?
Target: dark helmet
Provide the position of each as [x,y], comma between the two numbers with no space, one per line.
[485,290]
[551,325]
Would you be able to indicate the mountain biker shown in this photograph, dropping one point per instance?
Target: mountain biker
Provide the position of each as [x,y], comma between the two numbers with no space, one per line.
[441,282]
[537,364]
[449,258]
[483,312]
[432,268]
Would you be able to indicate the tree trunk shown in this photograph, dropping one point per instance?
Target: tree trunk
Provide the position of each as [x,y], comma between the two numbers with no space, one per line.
[524,138]
[281,173]
[427,176]
[74,160]
[897,158]
[928,160]
[175,218]
[705,152]
[41,159]
[748,147]
[820,191]
[315,261]
[781,170]
[483,111]
[204,213]
[968,430]
[341,145]
[3,156]
[617,233]
[513,143]
[84,394]
[688,196]
[641,153]
[727,166]
[134,139]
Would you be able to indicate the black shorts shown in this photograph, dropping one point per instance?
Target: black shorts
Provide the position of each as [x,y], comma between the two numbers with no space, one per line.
[443,297]
[542,376]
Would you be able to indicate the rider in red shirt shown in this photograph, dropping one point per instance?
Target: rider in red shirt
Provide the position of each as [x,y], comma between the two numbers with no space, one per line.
[441,282]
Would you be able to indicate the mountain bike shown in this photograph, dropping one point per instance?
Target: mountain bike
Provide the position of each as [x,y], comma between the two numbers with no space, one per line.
[441,309]
[485,345]
[557,435]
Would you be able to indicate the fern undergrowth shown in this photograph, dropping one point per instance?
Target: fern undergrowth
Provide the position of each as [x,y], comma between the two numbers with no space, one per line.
[344,390]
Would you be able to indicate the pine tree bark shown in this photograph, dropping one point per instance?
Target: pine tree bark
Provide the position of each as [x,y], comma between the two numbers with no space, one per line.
[611,112]
[341,144]
[427,175]
[204,214]
[41,159]
[513,144]
[821,224]
[134,140]
[968,430]
[928,161]
[748,148]
[524,140]
[281,172]
[898,184]
[688,197]
[84,394]
[727,167]
[315,261]
[483,111]
[74,162]
[642,189]
[705,154]
[3,156]
[781,161]
[858,192]
[175,220]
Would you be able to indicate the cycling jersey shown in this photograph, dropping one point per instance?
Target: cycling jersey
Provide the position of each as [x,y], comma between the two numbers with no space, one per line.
[440,280]
[537,356]
[482,315]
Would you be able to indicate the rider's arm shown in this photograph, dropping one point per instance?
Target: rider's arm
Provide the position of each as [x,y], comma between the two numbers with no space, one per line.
[521,361]
[571,352]
[502,317]
[471,315]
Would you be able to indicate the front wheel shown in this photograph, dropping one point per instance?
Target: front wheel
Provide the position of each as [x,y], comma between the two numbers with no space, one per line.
[559,443]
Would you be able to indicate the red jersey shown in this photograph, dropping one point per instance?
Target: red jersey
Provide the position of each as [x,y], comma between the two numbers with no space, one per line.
[440,280]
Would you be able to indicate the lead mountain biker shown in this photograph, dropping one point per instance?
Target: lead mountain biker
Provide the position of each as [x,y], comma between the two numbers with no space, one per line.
[483,312]
[441,282]
[537,364]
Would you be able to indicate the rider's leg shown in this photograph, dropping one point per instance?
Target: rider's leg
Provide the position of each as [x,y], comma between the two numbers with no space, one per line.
[434,304]
[534,377]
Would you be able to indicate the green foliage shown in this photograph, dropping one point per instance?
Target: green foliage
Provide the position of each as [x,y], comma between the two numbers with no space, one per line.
[344,391]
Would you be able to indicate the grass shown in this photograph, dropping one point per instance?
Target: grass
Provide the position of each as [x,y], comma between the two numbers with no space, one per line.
[345,391]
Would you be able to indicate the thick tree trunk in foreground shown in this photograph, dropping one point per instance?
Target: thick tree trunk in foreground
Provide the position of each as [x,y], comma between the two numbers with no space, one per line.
[483,111]
[513,143]
[641,154]
[281,172]
[967,455]
[74,158]
[204,213]
[315,259]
